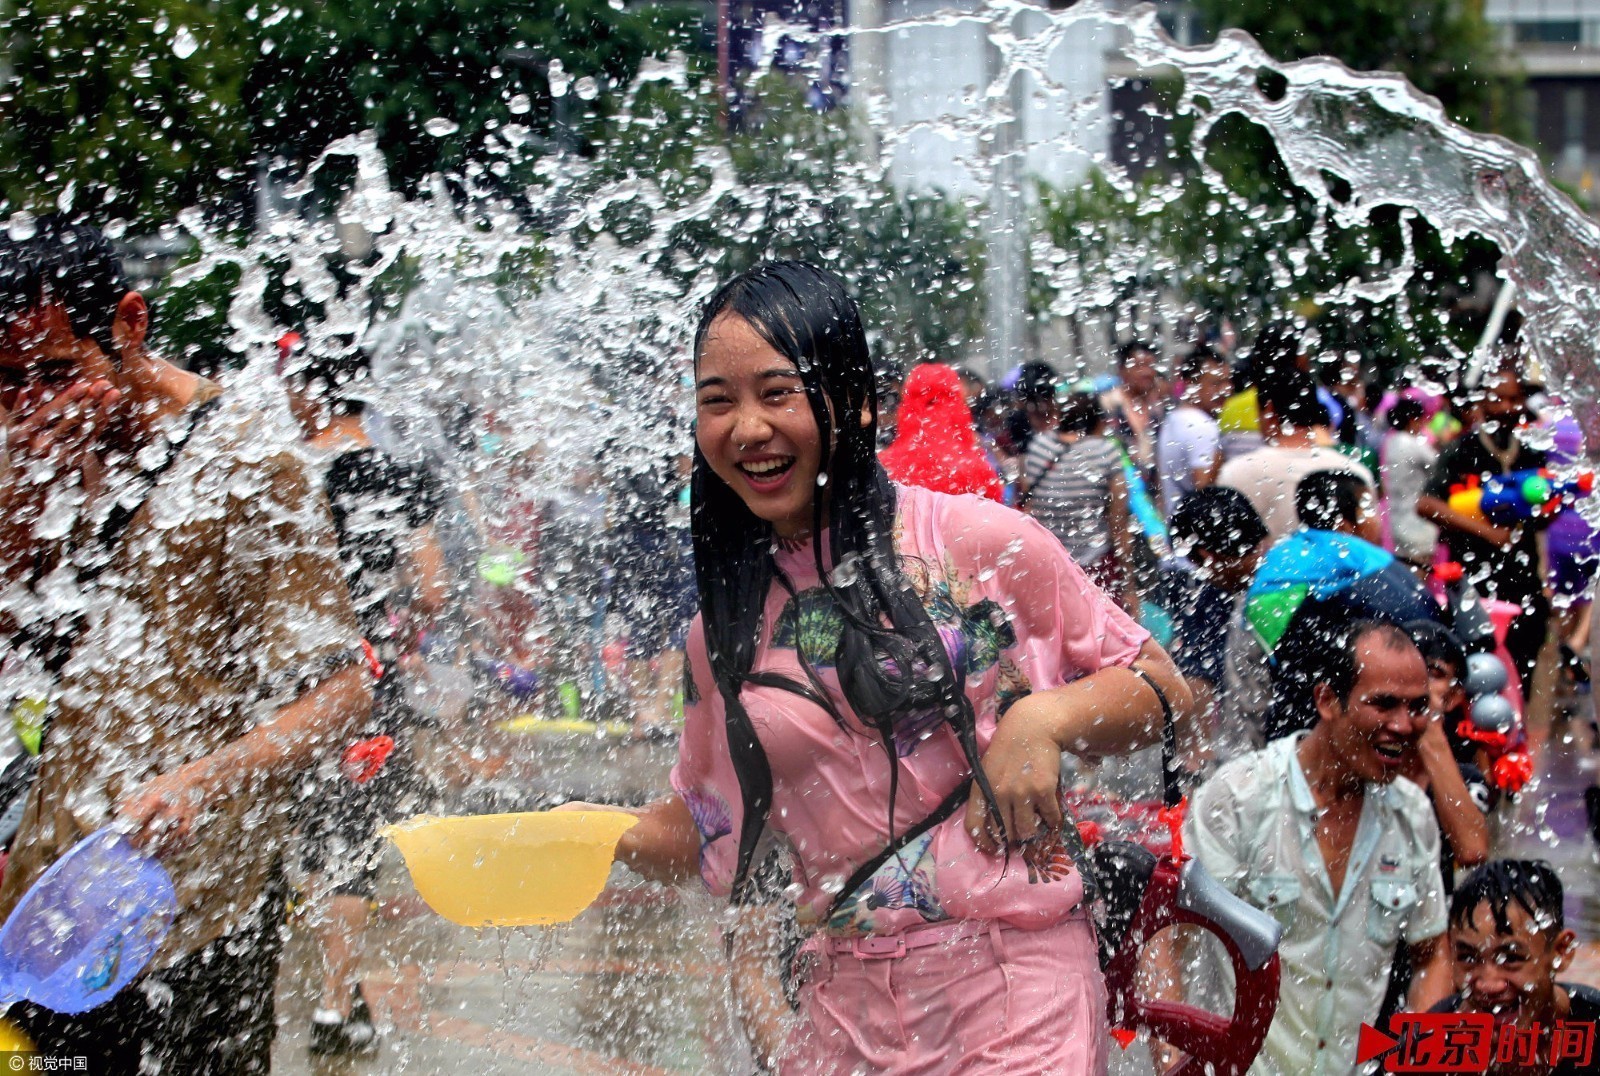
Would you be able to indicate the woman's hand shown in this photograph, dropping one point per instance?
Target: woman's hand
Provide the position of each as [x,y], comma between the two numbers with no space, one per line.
[1023,764]
[664,847]
[161,815]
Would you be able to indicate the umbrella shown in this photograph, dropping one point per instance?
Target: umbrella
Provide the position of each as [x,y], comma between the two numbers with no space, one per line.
[1310,586]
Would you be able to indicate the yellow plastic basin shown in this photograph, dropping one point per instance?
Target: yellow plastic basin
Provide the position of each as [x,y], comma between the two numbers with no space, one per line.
[510,870]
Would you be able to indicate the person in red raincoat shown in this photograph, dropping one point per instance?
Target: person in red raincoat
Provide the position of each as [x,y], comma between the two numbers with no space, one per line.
[935,444]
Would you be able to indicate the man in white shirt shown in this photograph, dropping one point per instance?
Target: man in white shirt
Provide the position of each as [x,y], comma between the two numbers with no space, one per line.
[1320,830]
[1295,425]
[1188,448]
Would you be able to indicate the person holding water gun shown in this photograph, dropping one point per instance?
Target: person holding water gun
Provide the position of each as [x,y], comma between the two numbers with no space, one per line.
[1496,539]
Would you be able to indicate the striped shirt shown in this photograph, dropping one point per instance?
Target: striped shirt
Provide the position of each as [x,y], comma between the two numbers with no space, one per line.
[1071,496]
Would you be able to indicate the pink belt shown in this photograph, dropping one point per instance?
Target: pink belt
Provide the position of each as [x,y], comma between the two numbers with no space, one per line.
[890,946]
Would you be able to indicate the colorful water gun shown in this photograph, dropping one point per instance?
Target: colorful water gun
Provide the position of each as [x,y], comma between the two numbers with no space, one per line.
[1141,505]
[1492,719]
[1506,500]
[1492,723]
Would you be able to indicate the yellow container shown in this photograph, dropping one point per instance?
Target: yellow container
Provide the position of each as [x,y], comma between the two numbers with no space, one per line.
[12,1040]
[510,870]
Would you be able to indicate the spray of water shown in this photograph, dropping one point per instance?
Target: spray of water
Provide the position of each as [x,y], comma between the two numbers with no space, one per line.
[563,312]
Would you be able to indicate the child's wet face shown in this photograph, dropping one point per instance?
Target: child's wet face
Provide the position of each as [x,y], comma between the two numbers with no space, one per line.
[1513,975]
[1445,693]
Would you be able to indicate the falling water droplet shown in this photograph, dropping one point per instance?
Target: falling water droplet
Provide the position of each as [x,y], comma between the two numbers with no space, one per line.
[439,127]
[184,43]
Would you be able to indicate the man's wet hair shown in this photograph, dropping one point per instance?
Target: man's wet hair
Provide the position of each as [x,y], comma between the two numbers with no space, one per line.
[1219,520]
[1275,348]
[1129,348]
[1338,668]
[1325,499]
[1438,643]
[335,370]
[1532,883]
[1037,382]
[66,262]
[1194,363]
[1292,395]
[1081,413]
[1404,412]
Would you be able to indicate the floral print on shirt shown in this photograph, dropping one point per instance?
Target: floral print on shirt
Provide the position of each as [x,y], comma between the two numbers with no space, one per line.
[904,881]
[975,636]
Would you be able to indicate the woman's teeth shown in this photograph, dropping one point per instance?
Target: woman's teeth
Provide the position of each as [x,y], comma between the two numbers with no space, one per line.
[766,468]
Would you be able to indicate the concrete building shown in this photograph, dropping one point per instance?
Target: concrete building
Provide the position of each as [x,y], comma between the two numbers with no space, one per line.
[1557,43]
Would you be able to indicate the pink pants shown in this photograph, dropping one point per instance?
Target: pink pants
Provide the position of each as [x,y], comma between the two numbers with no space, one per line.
[1004,1001]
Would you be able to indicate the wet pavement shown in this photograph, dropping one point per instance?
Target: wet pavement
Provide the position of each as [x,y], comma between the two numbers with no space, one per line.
[637,985]
[634,986]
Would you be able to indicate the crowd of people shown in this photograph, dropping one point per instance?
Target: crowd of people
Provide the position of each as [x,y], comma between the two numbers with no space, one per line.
[1191,504]
[234,635]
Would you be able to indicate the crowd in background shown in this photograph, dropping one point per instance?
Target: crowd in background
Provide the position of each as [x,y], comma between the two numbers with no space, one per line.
[1322,561]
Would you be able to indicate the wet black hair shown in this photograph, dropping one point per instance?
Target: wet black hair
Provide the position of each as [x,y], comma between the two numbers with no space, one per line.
[1037,382]
[1438,643]
[1219,520]
[891,661]
[1292,395]
[331,370]
[1532,883]
[1338,668]
[1194,363]
[1325,499]
[70,263]
[1275,348]
[1404,412]
[1082,413]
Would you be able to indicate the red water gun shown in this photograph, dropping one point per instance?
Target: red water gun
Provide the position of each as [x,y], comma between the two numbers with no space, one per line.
[1174,889]
[1145,892]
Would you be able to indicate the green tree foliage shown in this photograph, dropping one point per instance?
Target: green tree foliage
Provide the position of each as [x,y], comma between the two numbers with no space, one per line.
[1444,47]
[145,107]
[1260,249]
[801,191]
[435,78]
[130,108]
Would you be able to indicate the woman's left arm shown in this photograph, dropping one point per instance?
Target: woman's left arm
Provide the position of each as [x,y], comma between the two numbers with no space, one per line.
[1109,712]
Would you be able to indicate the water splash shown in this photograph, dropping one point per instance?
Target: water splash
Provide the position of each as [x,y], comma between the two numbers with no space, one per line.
[557,318]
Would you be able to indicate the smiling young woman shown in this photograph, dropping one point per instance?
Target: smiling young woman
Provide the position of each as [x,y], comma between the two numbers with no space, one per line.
[754,427]
[874,663]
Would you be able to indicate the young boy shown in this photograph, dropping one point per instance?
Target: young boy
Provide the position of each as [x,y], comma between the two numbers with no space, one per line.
[1507,941]
[1217,538]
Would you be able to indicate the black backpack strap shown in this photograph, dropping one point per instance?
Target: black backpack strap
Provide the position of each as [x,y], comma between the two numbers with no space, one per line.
[1171,786]
[121,514]
[55,647]
[947,807]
